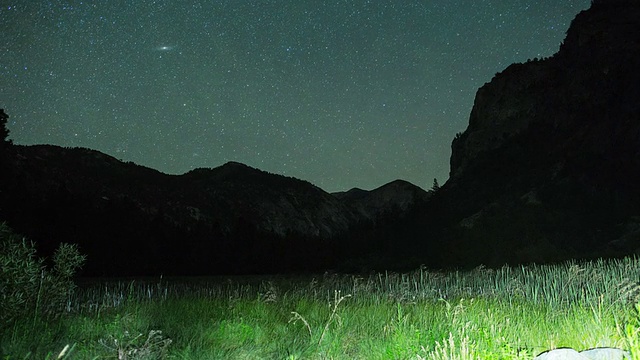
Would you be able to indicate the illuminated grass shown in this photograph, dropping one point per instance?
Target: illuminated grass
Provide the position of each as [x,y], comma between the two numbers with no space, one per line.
[509,313]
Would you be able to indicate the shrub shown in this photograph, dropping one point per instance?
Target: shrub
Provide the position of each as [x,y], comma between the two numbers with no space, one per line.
[27,286]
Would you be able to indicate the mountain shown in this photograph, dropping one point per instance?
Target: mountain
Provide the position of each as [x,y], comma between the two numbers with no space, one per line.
[130,219]
[547,170]
[394,236]
[549,165]
[388,201]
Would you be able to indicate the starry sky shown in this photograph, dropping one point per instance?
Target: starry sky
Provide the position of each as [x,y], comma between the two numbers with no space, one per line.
[341,93]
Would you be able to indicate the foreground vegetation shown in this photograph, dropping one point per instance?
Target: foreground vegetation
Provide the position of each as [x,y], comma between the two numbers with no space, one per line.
[509,313]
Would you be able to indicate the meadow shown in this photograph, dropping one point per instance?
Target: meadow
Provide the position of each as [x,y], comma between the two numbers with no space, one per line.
[506,313]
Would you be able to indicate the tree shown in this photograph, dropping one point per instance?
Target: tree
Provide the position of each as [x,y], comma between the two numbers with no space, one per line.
[435,186]
[4,132]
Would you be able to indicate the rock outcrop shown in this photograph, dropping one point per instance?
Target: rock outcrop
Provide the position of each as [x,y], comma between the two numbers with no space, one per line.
[587,93]
[549,165]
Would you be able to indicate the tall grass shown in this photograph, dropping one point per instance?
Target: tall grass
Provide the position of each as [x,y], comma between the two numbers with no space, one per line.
[506,313]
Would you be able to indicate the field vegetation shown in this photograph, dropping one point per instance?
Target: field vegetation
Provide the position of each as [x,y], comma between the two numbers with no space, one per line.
[506,313]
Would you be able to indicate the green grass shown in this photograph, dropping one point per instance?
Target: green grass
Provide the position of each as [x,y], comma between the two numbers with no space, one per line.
[509,313]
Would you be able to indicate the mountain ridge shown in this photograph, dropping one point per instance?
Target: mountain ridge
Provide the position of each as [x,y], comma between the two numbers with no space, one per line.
[548,164]
[547,170]
[234,214]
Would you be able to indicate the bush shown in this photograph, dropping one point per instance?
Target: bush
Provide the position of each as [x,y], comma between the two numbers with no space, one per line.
[27,287]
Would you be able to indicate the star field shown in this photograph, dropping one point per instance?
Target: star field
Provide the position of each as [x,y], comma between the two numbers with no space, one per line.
[342,93]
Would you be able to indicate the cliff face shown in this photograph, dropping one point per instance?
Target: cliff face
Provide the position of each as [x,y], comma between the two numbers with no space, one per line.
[549,164]
[592,82]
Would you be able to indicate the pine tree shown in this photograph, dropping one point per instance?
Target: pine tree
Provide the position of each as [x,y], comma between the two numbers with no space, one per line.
[4,132]
[435,186]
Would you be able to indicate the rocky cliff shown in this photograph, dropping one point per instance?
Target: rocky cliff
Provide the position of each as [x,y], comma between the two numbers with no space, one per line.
[591,82]
[549,165]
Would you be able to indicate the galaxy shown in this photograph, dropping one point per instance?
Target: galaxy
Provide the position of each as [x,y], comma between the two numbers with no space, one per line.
[343,93]
[165,48]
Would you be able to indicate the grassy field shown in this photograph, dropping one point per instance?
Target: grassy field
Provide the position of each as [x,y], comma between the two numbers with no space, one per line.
[509,313]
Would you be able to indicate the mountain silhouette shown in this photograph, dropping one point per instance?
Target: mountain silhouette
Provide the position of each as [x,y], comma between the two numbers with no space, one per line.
[549,166]
[547,170]
[130,219]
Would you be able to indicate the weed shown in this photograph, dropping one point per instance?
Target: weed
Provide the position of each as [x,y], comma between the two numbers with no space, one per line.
[494,314]
[337,299]
[129,347]
[27,287]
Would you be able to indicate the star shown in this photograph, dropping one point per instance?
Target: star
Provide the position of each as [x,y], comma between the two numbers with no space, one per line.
[327,87]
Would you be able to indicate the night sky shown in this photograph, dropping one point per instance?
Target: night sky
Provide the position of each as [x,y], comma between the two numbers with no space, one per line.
[342,93]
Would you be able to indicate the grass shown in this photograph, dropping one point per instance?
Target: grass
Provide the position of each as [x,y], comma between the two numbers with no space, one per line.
[508,313]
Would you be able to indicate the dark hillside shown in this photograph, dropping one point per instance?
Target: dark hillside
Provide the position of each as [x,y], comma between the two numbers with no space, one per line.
[548,169]
[130,219]
[549,165]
